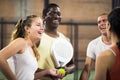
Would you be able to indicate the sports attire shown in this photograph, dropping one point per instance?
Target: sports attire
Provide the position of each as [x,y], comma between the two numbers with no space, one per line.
[24,65]
[95,47]
[114,72]
[46,60]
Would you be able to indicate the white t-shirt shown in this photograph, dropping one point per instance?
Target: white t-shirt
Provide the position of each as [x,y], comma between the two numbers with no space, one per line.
[95,47]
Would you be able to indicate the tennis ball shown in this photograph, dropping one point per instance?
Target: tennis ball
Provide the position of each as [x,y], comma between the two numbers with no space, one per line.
[62,71]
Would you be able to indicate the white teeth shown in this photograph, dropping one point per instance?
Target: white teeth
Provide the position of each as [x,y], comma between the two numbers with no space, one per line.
[55,21]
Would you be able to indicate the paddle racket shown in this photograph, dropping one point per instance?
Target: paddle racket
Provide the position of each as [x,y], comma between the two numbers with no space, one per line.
[62,52]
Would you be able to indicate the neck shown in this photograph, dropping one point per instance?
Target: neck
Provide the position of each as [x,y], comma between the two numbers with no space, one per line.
[106,40]
[114,39]
[29,41]
[52,33]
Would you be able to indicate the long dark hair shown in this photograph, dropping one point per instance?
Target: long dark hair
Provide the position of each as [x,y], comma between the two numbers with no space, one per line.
[114,20]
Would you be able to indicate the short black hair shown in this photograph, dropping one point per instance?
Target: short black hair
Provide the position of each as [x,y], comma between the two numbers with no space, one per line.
[46,9]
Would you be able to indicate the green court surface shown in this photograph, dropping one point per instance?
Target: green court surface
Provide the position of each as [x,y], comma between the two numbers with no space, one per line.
[68,77]
[72,77]
[2,77]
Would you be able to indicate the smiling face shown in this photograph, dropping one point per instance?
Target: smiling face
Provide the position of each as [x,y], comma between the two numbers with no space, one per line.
[102,24]
[53,17]
[36,29]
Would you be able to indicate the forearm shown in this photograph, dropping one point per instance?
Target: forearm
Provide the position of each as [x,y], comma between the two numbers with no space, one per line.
[70,69]
[46,73]
[41,73]
[4,67]
[87,68]
[85,74]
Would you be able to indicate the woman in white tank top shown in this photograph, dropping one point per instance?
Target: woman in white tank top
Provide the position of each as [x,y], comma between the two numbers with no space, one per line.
[21,53]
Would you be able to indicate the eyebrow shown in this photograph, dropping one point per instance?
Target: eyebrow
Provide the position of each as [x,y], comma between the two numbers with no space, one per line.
[102,20]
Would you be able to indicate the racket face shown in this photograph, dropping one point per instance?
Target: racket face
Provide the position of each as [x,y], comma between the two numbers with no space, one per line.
[62,52]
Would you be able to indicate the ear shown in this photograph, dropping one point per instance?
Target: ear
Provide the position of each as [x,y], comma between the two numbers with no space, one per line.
[26,28]
[108,25]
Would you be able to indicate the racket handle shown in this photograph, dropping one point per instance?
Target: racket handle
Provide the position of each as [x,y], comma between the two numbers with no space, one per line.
[53,78]
[56,79]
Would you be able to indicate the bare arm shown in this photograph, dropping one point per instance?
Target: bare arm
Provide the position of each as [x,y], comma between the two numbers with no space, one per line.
[47,72]
[6,70]
[70,67]
[54,72]
[104,62]
[87,68]
[100,70]
[7,52]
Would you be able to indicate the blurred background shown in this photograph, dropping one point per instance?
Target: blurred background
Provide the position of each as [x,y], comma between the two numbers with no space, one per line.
[79,21]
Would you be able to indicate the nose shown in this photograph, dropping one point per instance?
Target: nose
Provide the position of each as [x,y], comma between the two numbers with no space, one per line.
[56,16]
[42,28]
[102,23]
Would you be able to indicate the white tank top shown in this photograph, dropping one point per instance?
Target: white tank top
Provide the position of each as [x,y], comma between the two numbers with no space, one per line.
[24,65]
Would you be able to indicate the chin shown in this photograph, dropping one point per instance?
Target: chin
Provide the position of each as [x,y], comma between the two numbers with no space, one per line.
[39,37]
[103,32]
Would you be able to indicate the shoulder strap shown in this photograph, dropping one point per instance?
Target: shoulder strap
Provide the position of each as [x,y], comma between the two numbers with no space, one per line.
[116,50]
